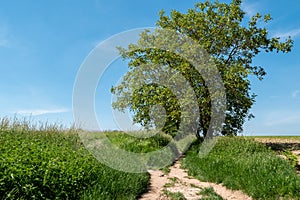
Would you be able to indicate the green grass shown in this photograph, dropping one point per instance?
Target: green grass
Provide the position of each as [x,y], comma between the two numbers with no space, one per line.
[291,158]
[209,194]
[173,180]
[137,144]
[51,163]
[174,195]
[241,163]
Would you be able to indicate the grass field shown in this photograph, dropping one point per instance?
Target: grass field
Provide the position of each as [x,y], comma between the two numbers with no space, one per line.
[242,163]
[49,162]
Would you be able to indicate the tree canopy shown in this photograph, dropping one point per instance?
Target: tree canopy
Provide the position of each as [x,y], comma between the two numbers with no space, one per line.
[231,41]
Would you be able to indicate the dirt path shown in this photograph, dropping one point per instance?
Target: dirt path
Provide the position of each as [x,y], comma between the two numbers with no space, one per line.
[178,181]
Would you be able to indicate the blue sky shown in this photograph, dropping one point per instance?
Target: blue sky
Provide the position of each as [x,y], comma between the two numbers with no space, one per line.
[43,44]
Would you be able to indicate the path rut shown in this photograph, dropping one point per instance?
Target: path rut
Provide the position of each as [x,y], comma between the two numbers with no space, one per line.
[178,181]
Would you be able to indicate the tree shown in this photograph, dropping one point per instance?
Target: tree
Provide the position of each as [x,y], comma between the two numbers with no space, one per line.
[232,42]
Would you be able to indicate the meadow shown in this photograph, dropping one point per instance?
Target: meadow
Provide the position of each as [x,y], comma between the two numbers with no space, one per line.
[47,162]
[50,162]
[242,163]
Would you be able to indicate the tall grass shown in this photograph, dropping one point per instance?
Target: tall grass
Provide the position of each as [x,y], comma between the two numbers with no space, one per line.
[137,143]
[27,125]
[244,164]
[49,162]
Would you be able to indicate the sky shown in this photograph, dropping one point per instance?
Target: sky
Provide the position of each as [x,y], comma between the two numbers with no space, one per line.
[44,43]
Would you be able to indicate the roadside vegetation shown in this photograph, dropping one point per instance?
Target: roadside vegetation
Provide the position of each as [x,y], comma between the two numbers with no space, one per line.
[50,163]
[209,194]
[243,164]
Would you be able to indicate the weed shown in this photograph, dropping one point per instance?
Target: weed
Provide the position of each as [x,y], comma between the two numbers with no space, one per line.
[166,170]
[174,180]
[195,186]
[209,194]
[291,158]
[174,195]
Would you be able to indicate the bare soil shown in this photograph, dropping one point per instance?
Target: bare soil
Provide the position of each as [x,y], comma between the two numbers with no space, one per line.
[280,144]
[177,180]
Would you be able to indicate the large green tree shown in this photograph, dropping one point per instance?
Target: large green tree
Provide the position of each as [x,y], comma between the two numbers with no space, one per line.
[231,40]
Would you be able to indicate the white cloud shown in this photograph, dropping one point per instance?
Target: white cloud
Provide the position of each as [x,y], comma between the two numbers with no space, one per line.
[38,112]
[250,8]
[293,33]
[282,118]
[295,93]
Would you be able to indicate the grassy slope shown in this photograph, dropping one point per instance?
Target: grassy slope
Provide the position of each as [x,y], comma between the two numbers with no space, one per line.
[51,164]
[244,164]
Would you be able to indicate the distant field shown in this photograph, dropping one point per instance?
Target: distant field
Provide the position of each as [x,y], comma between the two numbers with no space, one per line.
[279,143]
[277,139]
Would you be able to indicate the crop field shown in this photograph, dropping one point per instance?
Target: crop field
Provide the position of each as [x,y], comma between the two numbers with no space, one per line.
[277,139]
[287,142]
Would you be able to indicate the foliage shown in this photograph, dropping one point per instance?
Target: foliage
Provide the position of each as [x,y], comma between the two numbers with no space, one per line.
[173,180]
[210,194]
[134,143]
[244,164]
[291,158]
[174,195]
[231,41]
[53,164]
